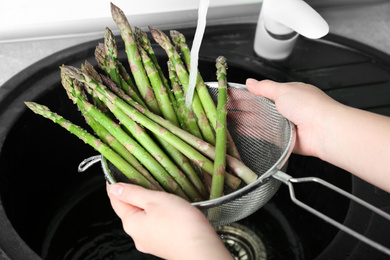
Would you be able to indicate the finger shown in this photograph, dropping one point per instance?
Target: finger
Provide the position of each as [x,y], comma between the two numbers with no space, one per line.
[133,194]
[266,88]
[120,207]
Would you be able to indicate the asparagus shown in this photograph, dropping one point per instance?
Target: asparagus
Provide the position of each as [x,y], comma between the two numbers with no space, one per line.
[180,160]
[102,60]
[97,144]
[174,152]
[146,45]
[125,82]
[160,90]
[204,125]
[88,68]
[220,146]
[123,101]
[137,113]
[181,45]
[134,59]
[237,166]
[182,146]
[104,134]
[126,77]
[188,117]
[111,54]
[154,167]
[205,98]
[148,143]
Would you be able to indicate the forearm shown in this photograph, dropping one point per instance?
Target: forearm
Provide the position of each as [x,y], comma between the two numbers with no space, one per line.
[357,141]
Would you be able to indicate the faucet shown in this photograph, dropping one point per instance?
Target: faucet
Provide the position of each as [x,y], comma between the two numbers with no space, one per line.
[281,22]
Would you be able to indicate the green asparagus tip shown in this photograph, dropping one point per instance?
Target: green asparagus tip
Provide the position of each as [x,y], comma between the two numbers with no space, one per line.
[140,33]
[221,66]
[157,35]
[90,70]
[142,38]
[30,105]
[42,110]
[117,14]
[110,43]
[176,36]
[72,72]
[220,61]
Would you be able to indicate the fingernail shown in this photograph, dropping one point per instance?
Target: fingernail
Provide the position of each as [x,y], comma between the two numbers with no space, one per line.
[251,82]
[116,189]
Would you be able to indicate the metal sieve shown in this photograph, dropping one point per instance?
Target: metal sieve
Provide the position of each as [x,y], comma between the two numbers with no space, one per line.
[265,140]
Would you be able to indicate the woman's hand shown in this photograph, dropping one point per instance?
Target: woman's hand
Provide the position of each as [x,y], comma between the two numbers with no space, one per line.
[304,105]
[352,139]
[165,225]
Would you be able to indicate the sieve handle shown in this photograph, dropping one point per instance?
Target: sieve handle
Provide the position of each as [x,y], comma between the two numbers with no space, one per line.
[85,164]
[289,181]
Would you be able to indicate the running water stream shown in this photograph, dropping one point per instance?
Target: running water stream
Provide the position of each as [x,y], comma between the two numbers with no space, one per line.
[200,28]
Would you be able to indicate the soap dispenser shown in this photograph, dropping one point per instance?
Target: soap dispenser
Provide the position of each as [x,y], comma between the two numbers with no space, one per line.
[281,22]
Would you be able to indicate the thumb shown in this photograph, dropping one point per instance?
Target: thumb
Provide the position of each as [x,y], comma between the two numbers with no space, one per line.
[132,194]
[120,207]
[266,88]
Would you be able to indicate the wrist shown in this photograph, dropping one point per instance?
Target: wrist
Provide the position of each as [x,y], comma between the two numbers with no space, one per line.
[324,130]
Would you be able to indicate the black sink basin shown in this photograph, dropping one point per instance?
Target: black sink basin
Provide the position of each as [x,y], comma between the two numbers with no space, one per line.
[48,210]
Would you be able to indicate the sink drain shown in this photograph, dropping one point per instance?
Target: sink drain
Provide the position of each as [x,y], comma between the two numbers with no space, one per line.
[242,242]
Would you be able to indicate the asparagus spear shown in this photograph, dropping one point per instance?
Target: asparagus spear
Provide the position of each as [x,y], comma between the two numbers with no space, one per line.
[102,60]
[146,45]
[134,58]
[97,144]
[204,125]
[125,82]
[111,54]
[205,98]
[88,68]
[220,146]
[160,90]
[180,42]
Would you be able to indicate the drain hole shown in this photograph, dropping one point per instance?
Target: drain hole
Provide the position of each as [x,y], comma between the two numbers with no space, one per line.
[242,242]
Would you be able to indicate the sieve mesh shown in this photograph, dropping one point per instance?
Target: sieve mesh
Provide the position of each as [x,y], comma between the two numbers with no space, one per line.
[264,139]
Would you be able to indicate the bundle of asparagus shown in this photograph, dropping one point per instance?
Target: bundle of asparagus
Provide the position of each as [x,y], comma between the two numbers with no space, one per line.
[140,122]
